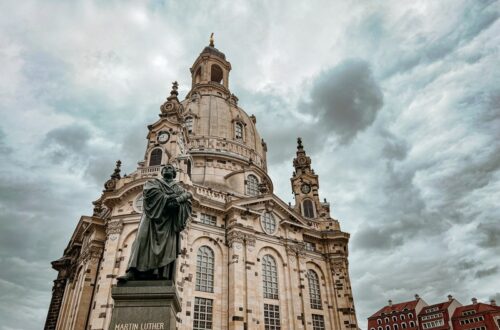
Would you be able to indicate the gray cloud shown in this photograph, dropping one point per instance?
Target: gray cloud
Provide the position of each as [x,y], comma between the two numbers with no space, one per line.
[487,272]
[345,99]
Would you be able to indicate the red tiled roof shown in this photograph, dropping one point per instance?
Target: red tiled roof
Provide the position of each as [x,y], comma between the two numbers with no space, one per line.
[479,307]
[410,305]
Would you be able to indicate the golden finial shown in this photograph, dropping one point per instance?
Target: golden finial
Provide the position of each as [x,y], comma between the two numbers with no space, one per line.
[211,40]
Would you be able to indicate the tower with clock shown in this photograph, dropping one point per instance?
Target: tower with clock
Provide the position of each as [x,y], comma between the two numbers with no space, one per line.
[248,259]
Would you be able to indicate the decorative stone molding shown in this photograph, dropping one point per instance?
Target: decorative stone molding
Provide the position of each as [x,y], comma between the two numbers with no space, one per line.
[240,238]
[298,249]
[235,237]
[114,227]
[92,254]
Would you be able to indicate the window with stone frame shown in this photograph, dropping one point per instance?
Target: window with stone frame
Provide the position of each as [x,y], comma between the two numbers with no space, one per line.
[314,289]
[269,223]
[238,131]
[155,157]
[272,317]
[318,322]
[202,316]
[208,219]
[252,185]
[189,124]
[205,269]
[269,277]
[308,208]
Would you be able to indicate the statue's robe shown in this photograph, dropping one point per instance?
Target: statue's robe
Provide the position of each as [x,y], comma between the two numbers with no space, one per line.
[157,243]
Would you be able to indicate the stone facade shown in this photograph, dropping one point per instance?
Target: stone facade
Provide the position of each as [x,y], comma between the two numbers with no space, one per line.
[244,233]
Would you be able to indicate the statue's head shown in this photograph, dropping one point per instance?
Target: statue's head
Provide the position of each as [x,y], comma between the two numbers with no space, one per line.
[168,171]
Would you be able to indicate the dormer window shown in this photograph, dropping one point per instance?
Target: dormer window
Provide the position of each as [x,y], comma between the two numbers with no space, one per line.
[155,157]
[189,124]
[238,131]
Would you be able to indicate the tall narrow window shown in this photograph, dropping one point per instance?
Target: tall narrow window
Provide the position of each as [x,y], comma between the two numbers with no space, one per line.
[319,322]
[252,185]
[269,277]
[202,319]
[308,208]
[155,157]
[272,317]
[189,124]
[238,131]
[205,269]
[189,168]
[314,289]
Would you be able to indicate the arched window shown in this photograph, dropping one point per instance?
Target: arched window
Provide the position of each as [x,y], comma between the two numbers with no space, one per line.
[379,321]
[410,315]
[205,269]
[252,185]
[216,74]
[380,328]
[387,327]
[238,131]
[395,327]
[269,277]
[308,208]
[314,289]
[155,157]
[402,316]
[403,325]
[412,324]
[386,320]
[394,318]
[189,124]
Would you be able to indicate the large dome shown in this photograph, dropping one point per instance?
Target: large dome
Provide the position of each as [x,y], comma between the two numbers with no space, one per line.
[214,117]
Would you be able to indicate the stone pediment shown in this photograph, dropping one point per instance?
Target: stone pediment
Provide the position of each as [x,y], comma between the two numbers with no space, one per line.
[274,202]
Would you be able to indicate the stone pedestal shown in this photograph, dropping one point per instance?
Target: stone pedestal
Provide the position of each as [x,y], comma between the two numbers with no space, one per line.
[144,305]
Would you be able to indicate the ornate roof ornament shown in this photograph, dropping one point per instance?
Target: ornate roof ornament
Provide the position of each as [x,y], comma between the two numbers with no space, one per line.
[111,183]
[172,106]
[211,44]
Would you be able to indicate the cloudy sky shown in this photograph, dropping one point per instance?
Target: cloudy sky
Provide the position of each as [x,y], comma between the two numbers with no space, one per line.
[398,103]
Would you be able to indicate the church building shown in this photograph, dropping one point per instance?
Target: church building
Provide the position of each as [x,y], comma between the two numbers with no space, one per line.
[249,260]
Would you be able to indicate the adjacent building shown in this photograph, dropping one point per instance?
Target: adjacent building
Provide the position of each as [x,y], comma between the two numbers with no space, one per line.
[249,260]
[397,316]
[478,316]
[448,315]
[438,316]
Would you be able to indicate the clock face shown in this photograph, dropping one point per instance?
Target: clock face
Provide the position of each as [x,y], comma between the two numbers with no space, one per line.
[163,136]
[305,188]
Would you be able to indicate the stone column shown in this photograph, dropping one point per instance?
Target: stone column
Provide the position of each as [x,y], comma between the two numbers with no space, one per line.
[55,303]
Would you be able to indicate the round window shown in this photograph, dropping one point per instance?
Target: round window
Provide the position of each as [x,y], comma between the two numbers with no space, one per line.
[269,223]
[138,203]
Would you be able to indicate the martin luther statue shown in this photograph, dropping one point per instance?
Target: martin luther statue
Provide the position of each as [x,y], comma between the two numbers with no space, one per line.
[166,209]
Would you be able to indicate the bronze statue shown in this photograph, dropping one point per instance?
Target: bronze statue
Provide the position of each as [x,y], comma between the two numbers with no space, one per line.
[166,209]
